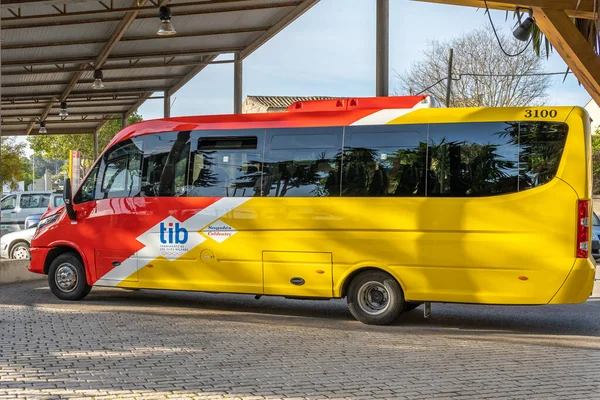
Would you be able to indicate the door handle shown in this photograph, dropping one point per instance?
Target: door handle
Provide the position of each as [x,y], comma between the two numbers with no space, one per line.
[116,263]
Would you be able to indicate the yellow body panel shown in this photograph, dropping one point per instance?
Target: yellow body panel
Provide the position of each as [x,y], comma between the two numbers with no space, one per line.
[516,248]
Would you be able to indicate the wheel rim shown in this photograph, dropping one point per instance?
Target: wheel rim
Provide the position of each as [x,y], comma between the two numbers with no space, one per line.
[373,298]
[20,253]
[66,277]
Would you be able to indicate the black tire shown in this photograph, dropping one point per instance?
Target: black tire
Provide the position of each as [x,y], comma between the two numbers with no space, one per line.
[375,298]
[66,277]
[411,305]
[17,249]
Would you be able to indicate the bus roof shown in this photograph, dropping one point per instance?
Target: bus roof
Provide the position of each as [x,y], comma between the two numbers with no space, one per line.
[343,112]
[336,112]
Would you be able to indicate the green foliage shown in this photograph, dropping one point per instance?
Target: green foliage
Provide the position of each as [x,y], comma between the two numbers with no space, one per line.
[11,164]
[596,161]
[58,146]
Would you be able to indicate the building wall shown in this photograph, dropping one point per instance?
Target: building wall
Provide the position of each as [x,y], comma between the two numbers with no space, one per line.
[594,111]
[252,107]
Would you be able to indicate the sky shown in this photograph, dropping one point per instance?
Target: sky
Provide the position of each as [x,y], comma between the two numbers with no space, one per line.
[330,51]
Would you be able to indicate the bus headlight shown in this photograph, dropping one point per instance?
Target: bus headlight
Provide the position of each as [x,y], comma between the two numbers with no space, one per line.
[47,221]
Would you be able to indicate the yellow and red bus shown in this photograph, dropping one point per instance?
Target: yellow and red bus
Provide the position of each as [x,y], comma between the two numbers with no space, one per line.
[388,202]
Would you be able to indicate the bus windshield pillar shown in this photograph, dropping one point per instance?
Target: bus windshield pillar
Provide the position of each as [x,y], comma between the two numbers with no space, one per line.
[383,47]
[237,84]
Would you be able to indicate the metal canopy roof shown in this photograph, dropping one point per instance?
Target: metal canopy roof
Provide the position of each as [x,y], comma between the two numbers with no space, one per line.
[50,50]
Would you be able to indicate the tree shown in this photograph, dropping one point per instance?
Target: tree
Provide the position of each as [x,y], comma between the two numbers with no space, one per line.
[58,146]
[478,62]
[596,161]
[11,162]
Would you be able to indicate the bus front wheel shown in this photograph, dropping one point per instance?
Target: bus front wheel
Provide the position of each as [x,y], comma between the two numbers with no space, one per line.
[375,298]
[66,278]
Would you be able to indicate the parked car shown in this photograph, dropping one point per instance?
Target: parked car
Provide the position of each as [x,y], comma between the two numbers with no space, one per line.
[56,200]
[16,207]
[15,245]
[596,237]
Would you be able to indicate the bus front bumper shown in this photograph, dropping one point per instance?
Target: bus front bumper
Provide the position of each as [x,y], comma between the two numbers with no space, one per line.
[579,284]
[38,259]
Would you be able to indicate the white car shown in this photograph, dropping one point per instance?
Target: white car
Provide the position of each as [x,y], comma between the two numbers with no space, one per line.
[15,245]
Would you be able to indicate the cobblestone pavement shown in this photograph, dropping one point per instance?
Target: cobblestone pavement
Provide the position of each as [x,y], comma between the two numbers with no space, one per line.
[150,344]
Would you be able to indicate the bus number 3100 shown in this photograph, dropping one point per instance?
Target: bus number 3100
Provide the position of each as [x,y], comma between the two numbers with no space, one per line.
[541,113]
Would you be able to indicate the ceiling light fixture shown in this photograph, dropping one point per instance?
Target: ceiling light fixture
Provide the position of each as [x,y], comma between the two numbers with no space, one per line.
[166,27]
[523,30]
[43,127]
[98,84]
[63,110]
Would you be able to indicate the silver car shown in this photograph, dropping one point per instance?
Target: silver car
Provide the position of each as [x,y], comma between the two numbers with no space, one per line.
[15,245]
[16,207]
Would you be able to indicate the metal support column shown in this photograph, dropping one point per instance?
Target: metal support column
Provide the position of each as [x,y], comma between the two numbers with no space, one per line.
[123,121]
[95,144]
[237,84]
[383,47]
[167,100]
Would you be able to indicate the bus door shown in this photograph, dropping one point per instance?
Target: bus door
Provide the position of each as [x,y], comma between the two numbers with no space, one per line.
[111,220]
[223,171]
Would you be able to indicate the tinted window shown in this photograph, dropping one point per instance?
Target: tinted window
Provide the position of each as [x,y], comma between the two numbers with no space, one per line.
[122,170]
[165,164]
[34,200]
[541,147]
[472,159]
[302,162]
[9,203]
[87,192]
[384,161]
[226,164]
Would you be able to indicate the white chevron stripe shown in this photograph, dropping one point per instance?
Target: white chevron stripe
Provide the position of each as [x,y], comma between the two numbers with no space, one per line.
[150,251]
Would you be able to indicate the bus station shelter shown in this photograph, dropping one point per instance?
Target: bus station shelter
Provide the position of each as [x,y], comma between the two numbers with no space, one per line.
[101,59]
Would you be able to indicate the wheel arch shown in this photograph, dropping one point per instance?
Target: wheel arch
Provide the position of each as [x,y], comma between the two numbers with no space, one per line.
[349,275]
[63,248]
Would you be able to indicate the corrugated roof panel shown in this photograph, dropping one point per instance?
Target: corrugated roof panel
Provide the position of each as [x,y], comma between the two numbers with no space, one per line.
[9,92]
[29,45]
[57,34]
[184,45]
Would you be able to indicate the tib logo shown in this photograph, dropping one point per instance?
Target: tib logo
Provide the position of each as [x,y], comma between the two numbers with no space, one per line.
[173,235]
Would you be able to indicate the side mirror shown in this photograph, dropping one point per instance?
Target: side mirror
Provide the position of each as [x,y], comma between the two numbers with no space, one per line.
[67,197]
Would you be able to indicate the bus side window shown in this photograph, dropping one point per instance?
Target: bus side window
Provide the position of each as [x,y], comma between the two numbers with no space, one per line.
[472,159]
[165,164]
[384,161]
[121,171]
[303,162]
[226,166]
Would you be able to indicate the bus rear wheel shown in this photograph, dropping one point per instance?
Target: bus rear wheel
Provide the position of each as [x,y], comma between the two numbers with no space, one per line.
[66,278]
[375,298]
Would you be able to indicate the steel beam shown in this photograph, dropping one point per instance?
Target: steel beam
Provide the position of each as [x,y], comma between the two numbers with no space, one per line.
[383,48]
[238,80]
[95,144]
[167,105]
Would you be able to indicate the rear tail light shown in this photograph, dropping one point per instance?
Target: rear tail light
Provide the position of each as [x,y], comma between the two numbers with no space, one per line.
[583,228]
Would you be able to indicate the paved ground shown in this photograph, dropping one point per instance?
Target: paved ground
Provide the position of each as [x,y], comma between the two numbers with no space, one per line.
[125,344]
